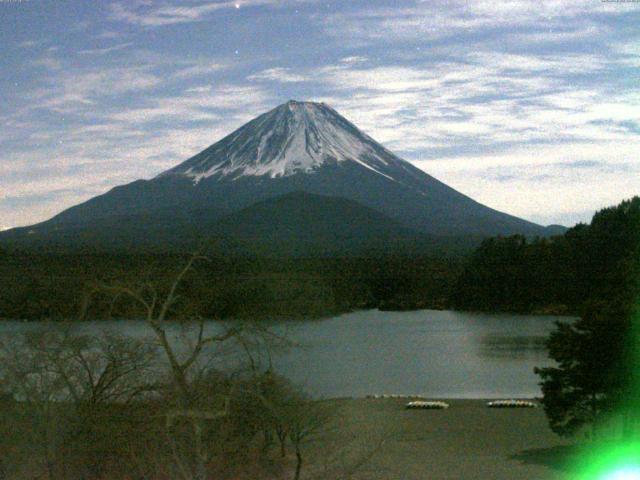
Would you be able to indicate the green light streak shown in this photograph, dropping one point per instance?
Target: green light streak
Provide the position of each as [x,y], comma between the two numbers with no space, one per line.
[619,458]
[624,474]
[609,462]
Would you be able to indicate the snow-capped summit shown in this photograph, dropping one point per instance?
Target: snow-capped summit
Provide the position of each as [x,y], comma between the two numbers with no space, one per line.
[292,138]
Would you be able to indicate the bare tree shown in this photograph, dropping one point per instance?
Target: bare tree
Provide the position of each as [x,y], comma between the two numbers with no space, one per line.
[68,383]
[305,419]
[102,370]
[302,422]
[30,378]
[108,377]
[276,396]
[183,365]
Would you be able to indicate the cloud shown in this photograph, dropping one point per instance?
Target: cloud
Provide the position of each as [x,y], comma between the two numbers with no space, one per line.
[484,121]
[105,50]
[78,161]
[109,35]
[562,34]
[481,98]
[199,103]
[28,44]
[147,14]
[353,59]
[278,74]
[547,183]
[72,91]
[199,68]
[428,20]
[48,62]
[431,113]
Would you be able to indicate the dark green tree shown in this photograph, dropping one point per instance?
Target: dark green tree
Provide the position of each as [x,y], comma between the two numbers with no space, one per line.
[597,355]
[592,370]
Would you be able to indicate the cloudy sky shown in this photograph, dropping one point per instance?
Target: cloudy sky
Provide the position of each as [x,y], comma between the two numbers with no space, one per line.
[531,107]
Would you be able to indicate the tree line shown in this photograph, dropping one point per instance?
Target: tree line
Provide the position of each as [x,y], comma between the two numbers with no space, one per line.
[67,397]
[503,274]
[508,274]
[39,285]
[554,275]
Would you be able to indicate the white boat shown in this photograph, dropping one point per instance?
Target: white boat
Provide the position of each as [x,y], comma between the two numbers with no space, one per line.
[427,405]
[511,404]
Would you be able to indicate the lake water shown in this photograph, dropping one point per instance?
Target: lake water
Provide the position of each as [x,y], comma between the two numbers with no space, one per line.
[439,354]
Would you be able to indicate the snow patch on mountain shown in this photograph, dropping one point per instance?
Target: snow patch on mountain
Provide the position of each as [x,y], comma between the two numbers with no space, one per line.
[292,138]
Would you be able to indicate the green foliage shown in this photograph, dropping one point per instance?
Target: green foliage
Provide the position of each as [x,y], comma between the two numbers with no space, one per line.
[591,373]
[54,285]
[597,355]
[557,275]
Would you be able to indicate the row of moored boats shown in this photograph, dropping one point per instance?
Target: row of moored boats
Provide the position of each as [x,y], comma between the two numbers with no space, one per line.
[422,404]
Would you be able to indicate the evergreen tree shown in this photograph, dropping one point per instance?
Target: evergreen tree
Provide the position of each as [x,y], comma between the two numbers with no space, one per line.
[597,355]
[592,370]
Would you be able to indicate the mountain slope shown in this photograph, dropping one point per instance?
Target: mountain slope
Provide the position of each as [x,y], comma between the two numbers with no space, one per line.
[296,147]
[296,224]
[304,224]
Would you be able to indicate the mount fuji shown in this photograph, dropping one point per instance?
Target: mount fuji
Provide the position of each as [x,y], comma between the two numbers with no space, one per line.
[300,171]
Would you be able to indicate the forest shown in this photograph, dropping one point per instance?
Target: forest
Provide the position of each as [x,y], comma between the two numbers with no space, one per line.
[559,274]
[41,285]
[503,274]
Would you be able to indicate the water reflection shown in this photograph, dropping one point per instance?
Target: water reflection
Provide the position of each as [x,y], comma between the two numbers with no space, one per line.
[442,354]
[495,345]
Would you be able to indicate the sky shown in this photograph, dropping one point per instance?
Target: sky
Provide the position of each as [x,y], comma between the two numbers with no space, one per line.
[530,107]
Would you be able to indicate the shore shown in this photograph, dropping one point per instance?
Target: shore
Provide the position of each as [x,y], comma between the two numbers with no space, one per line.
[382,440]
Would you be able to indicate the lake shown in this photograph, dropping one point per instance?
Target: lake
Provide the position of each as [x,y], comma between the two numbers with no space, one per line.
[438,354]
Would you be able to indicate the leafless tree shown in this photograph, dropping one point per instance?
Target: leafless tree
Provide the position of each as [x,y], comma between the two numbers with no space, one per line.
[183,365]
[64,380]
[305,418]
[30,378]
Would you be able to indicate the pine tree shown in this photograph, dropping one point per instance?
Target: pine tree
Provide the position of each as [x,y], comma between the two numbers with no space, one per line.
[592,371]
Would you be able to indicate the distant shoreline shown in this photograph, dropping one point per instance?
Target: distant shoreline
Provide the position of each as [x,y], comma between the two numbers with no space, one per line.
[302,318]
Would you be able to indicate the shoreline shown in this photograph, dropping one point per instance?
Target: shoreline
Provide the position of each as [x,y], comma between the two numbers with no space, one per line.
[274,319]
[454,400]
